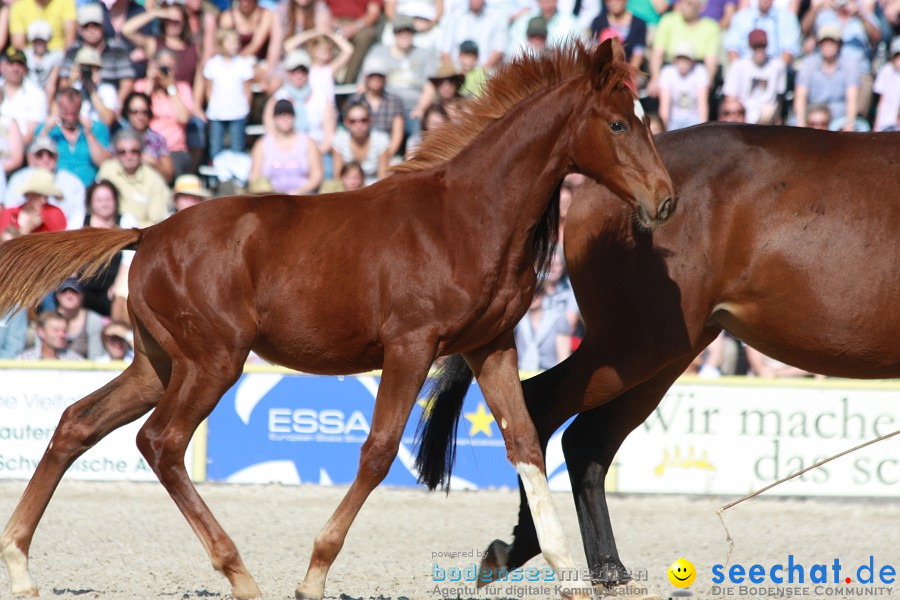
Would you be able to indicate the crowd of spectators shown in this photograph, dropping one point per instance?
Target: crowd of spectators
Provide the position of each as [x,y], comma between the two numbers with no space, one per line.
[121,112]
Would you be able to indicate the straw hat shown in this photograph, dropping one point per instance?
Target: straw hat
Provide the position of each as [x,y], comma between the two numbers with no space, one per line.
[190,185]
[447,72]
[40,181]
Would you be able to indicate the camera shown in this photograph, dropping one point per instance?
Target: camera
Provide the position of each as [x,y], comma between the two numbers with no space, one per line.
[164,70]
[87,74]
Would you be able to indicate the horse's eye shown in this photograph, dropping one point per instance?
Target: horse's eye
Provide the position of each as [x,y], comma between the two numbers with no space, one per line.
[618,126]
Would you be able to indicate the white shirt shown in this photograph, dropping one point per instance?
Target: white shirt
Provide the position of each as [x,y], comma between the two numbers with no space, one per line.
[227,100]
[756,86]
[887,83]
[29,104]
[72,202]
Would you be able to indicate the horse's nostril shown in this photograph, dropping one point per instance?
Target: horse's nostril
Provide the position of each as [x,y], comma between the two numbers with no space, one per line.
[665,211]
[642,214]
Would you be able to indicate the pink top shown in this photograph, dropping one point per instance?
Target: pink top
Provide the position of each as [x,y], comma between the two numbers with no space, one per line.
[164,121]
[286,170]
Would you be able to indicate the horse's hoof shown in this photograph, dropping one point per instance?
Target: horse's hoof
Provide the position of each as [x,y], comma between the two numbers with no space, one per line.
[246,592]
[29,592]
[496,557]
[304,593]
[304,596]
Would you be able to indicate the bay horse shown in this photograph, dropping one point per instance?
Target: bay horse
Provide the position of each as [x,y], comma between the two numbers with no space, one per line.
[785,237]
[437,259]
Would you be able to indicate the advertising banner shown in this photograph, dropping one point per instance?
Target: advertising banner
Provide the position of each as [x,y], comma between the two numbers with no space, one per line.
[31,404]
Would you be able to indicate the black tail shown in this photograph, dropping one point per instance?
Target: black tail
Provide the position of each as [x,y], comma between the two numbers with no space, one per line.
[437,429]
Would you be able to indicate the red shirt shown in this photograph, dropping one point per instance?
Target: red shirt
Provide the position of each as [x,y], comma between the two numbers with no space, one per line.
[349,9]
[54,219]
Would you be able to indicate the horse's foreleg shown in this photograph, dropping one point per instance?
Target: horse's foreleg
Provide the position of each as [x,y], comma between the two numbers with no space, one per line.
[82,425]
[497,373]
[404,373]
[192,393]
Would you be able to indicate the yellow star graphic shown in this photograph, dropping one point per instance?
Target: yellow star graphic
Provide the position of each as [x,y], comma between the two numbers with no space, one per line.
[481,421]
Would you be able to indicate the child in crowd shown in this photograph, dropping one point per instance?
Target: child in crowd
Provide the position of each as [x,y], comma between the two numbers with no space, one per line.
[324,65]
[43,64]
[475,74]
[228,78]
[684,91]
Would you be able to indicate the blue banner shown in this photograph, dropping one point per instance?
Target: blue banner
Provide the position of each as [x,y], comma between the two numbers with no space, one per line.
[304,429]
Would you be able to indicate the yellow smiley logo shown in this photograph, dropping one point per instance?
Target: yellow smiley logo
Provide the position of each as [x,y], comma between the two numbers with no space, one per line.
[682,573]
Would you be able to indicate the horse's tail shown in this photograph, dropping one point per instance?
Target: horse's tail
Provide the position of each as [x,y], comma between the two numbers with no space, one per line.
[437,441]
[32,265]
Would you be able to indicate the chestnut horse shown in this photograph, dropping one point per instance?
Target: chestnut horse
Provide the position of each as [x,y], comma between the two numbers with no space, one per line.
[785,237]
[438,259]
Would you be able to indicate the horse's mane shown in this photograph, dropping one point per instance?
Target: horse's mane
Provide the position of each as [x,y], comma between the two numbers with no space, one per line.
[516,80]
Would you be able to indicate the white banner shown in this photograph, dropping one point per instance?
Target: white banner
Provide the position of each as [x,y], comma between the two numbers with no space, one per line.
[31,404]
[736,437]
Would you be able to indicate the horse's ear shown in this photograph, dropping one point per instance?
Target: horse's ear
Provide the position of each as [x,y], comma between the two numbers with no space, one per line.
[608,53]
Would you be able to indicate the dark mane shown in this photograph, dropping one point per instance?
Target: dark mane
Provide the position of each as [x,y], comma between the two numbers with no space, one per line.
[512,83]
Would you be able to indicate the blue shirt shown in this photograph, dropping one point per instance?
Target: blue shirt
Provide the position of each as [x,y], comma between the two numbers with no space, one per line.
[781,26]
[77,158]
[828,89]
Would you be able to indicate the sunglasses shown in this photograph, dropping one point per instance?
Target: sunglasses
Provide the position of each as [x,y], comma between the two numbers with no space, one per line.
[733,113]
[355,121]
[127,151]
[43,153]
[139,111]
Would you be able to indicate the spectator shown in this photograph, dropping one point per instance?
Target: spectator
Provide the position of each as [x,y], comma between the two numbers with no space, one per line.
[536,34]
[486,28]
[630,29]
[781,26]
[423,16]
[138,115]
[259,34]
[358,142]
[559,299]
[35,215]
[228,77]
[53,340]
[103,212]
[351,179]
[298,16]
[203,21]
[887,84]
[442,88]
[818,116]
[543,337]
[720,11]
[323,65]
[60,14]
[115,15]
[188,191]
[679,28]
[649,11]
[825,78]
[13,330]
[143,192]
[174,33]
[43,63]
[356,21]
[314,114]
[758,82]
[386,109]
[288,159]
[22,100]
[764,366]
[81,144]
[84,326]
[42,154]
[683,91]
[11,148]
[560,26]
[859,27]
[435,116]
[406,66]
[732,111]
[172,103]
[101,103]
[476,76]
[117,341]
[116,67]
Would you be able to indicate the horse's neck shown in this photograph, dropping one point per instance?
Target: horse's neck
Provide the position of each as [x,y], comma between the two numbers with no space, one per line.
[514,167]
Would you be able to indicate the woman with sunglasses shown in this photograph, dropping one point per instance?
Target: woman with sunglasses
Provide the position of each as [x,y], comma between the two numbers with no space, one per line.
[136,115]
[357,141]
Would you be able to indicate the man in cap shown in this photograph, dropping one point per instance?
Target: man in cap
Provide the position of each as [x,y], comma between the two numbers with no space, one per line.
[23,100]
[143,192]
[116,67]
[407,66]
[53,336]
[188,191]
[60,14]
[386,108]
[560,26]
[36,215]
[487,28]
[887,84]
[759,82]
[43,63]
[42,154]
[824,78]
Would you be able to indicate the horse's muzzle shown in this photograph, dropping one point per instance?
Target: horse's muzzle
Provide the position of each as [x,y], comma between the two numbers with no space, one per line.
[663,213]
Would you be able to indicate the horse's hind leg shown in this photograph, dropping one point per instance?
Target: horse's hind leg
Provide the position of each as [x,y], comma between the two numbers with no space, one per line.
[193,391]
[83,424]
[403,376]
[497,373]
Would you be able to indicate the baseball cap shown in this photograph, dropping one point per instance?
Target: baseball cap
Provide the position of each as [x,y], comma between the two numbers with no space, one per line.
[39,30]
[90,13]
